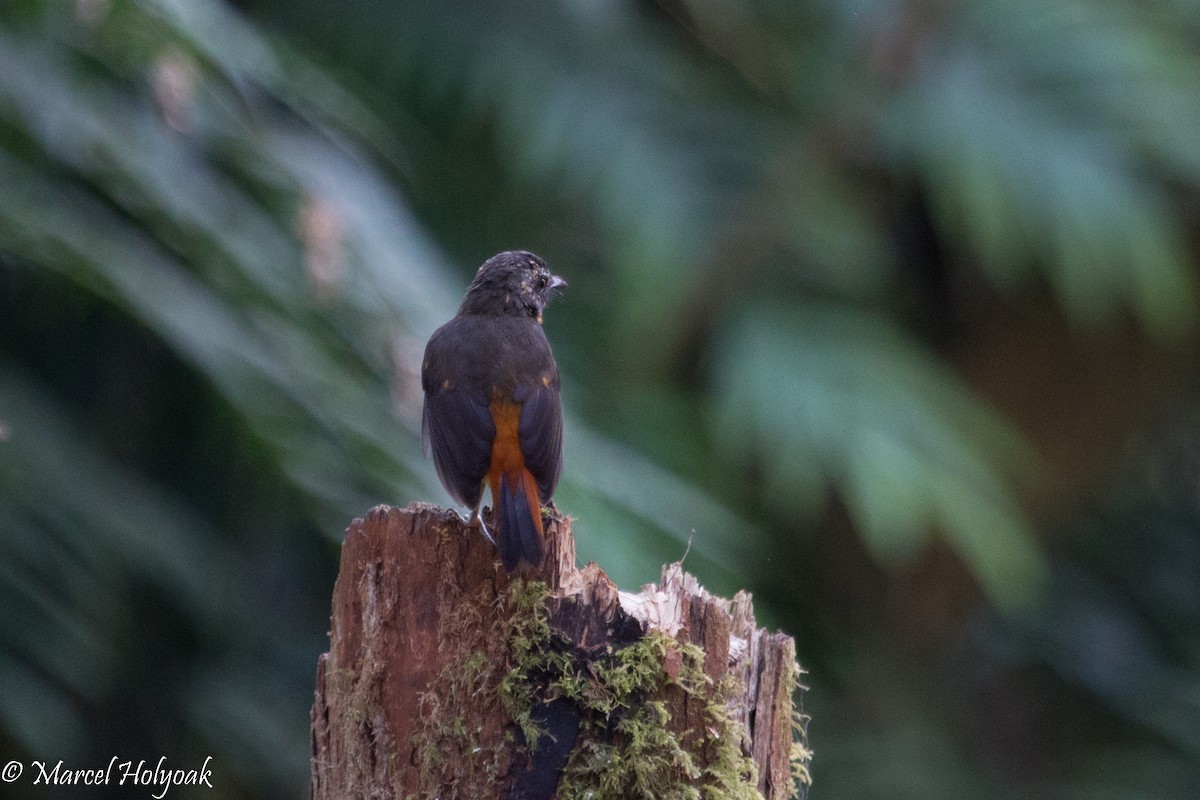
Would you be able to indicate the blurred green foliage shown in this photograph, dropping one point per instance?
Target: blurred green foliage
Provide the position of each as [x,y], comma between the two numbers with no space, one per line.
[226,233]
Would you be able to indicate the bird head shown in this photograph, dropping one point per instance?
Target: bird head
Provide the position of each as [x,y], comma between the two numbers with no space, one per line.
[515,283]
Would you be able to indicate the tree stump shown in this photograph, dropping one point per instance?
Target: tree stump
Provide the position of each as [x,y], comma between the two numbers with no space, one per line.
[447,677]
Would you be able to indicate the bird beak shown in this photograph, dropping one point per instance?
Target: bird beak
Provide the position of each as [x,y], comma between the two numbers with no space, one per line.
[557,282]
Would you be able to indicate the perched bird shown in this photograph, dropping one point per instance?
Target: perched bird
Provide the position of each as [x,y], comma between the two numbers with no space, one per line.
[492,412]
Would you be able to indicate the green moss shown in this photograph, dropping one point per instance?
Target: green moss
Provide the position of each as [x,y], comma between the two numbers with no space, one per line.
[526,633]
[453,754]
[626,746]
[625,697]
[644,759]
[801,756]
[730,772]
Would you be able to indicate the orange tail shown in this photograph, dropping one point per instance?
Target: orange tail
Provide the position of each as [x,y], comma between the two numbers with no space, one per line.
[518,519]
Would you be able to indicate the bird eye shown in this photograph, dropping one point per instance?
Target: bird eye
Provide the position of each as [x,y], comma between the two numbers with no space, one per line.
[541,281]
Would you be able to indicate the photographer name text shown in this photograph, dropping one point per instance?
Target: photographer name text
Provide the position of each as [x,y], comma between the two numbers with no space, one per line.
[157,779]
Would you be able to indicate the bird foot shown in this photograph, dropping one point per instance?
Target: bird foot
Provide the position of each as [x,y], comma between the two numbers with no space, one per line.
[476,521]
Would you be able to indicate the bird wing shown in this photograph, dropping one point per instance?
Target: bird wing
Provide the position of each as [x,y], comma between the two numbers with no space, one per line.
[457,429]
[541,431]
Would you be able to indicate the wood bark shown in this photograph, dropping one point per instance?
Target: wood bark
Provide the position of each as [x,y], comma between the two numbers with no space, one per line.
[410,699]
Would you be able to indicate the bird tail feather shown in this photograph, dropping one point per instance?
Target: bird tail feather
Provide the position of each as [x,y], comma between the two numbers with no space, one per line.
[519,535]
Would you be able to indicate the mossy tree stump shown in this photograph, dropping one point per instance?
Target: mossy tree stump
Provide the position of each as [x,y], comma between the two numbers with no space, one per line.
[447,677]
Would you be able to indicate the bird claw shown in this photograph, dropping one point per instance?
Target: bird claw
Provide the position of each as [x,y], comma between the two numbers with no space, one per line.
[476,521]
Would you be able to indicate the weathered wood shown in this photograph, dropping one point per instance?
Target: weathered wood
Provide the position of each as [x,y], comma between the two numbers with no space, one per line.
[441,665]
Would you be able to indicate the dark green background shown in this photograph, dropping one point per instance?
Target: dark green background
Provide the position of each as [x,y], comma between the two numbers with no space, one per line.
[892,304]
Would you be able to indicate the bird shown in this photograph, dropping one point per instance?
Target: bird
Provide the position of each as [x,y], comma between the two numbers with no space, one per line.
[492,411]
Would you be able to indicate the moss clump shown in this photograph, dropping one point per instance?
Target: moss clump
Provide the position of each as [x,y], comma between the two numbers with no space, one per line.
[642,758]
[525,621]
[801,756]
[627,745]
[730,772]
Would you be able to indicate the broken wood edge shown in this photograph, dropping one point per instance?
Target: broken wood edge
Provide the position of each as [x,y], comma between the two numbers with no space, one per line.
[762,663]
